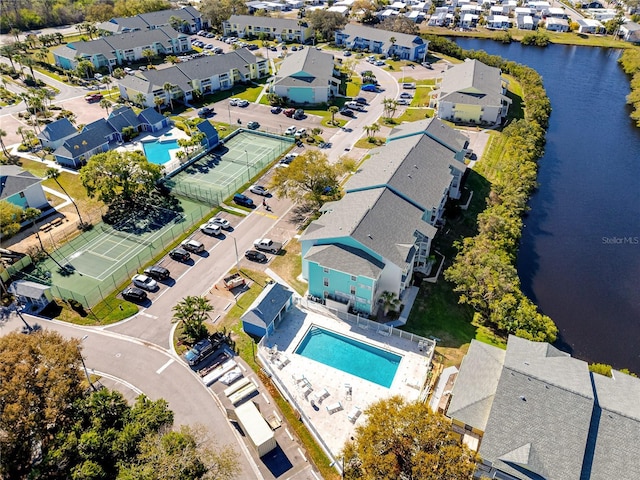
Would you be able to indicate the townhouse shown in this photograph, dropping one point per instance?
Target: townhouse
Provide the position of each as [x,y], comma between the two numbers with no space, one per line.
[185,19]
[391,44]
[279,29]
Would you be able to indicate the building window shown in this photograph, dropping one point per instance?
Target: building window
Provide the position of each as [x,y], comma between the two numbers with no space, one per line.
[352,290]
[353,278]
[325,270]
[325,282]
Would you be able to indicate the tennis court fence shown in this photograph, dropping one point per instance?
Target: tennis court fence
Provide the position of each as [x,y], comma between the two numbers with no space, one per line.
[90,296]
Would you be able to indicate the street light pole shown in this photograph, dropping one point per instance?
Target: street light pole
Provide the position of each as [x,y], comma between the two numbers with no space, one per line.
[86,372]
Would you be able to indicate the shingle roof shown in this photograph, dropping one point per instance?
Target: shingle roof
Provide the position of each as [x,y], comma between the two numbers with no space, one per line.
[137,83]
[273,22]
[346,259]
[172,75]
[309,67]
[380,35]
[265,308]
[57,130]
[92,136]
[209,66]
[472,83]
[151,116]
[28,289]
[476,384]
[123,117]
[14,179]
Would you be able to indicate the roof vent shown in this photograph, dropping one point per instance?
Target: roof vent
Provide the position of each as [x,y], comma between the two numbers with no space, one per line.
[523,398]
[370,236]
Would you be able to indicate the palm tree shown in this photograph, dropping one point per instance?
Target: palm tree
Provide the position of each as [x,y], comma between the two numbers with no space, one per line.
[192,312]
[158,101]
[54,173]
[333,110]
[375,128]
[168,87]
[148,54]
[106,104]
[2,145]
[8,51]
[138,99]
[390,301]
[20,131]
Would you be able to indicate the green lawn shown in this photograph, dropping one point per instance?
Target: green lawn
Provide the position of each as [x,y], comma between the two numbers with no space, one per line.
[415,114]
[366,142]
[289,266]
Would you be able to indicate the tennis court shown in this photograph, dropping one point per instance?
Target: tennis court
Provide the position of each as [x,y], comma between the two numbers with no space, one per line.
[229,166]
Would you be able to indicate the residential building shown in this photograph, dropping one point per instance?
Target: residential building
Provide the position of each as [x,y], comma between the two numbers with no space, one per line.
[307,76]
[525,22]
[33,296]
[54,133]
[205,75]
[630,32]
[554,24]
[589,25]
[105,134]
[534,412]
[121,49]
[279,29]
[471,92]
[21,188]
[380,232]
[185,19]
[267,310]
[376,40]
[498,22]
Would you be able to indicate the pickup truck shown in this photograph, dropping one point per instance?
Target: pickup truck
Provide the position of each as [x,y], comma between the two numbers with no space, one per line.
[267,245]
[233,281]
[95,97]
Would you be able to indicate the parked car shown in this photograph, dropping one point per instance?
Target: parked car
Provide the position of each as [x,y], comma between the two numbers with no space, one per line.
[193,246]
[360,100]
[347,53]
[234,102]
[208,46]
[289,112]
[218,50]
[346,112]
[291,130]
[221,222]
[157,272]
[290,157]
[379,63]
[134,294]
[128,71]
[204,112]
[298,114]
[210,229]
[406,95]
[408,86]
[199,352]
[144,282]
[276,110]
[369,87]
[243,200]
[95,97]
[243,103]
[259,190]
[179,254]
[98,76]
[267,245]
[255,256]
[403,101]
[301,132]
[354,106]
[294,49]
[209,35]
[253,125]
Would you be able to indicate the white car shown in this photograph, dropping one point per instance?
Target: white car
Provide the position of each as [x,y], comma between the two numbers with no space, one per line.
[379,63]
[210,229]
[290,157]
[221,222]
[259,190]
[301,132]
[291,130]
[144,282]
[243,103]
[234,102]
[403,101]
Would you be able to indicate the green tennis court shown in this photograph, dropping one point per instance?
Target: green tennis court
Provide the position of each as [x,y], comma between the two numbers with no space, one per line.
[225,169]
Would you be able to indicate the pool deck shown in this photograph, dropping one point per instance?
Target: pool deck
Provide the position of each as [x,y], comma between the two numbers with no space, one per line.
[296,374]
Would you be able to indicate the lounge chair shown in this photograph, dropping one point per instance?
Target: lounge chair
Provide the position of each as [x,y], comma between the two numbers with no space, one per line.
[320,396]
[354,414]
[334,407]
[283,362]
[298,377]
[306,390]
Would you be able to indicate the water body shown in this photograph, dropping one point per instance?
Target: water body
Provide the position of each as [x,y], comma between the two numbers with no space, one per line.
[579,258]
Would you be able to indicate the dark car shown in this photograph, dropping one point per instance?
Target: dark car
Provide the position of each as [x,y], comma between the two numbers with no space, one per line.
[199,352]
[243,200]
[360,100]
[253,125]
[347,112]
[289,112]
[179,254]
[369,87]
[204,112]
[298,114]
[255,256]
[134,294]
[157,272]
[276,110]
[252,46]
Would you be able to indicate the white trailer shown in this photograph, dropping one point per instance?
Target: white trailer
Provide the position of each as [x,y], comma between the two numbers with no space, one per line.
[256,428]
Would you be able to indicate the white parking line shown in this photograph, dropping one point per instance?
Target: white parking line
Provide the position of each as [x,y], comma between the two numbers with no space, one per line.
[164,367]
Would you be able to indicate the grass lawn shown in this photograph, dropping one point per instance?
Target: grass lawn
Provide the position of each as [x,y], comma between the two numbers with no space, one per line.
[289,266]
[429,82]
[415,114]
[421,97]
[370,142]
[353,87]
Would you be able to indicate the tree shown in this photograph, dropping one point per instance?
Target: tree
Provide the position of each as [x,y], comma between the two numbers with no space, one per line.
[85,68]
[333,110]
[193,312]
[326,23]
[390,301]
[158,101]
[168,89]
[106,104]
[217,11]
[10,216]
[54,174]
[400,24]
[309,178]
[125,176]
[403,440]
[148,54]
[3,147]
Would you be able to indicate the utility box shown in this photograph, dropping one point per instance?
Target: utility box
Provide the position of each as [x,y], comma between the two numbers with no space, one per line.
[256,428]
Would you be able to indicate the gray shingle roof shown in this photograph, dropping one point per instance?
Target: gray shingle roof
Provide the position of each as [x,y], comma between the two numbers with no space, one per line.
[265,308]
[151,116]
[14,179]
[172,75]
[92,136]
[309,67]
[476,384]
[472,83]
[380,35]
[57,130]
[123,117]
[210,66]
[28,289]
[345,259]
[124,23]
[279,23]
[138,83]
[414,164]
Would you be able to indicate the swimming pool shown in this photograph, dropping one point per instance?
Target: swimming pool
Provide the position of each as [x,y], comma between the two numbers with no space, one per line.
[350,356]
[158,152]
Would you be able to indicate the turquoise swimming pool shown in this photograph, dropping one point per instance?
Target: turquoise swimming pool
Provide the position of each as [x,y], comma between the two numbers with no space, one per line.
[158,152]
[350,356]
